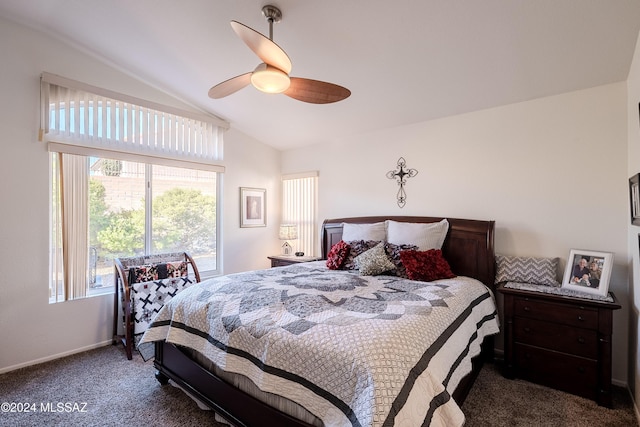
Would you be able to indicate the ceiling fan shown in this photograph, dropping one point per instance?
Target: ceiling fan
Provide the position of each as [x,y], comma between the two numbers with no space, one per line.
[272,75]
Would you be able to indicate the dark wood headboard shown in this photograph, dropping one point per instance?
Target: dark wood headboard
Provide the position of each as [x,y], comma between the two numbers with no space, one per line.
[468,246]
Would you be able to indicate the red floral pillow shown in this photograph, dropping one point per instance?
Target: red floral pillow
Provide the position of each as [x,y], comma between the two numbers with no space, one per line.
[426,266]
[337,255]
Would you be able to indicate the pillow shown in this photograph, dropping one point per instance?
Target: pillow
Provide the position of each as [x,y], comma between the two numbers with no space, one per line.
[426,266]
[150,272]
[374,261]
[393,252]
[538,271]
[337,255]
[424,236]
[375,231]
[356,248]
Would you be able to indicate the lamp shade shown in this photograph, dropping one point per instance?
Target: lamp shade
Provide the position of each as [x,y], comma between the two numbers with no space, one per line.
[288,232]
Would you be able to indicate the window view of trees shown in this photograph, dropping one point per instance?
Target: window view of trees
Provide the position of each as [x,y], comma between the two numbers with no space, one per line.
[183,218]
[183,214]
[116,234]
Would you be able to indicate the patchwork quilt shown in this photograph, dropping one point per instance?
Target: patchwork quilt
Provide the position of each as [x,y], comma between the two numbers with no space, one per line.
[353,350]
[149,297]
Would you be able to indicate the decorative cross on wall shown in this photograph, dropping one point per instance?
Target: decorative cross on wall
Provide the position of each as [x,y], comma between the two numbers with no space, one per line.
[401,175]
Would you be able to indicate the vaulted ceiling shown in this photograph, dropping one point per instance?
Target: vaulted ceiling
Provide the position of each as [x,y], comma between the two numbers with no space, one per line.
[404,61]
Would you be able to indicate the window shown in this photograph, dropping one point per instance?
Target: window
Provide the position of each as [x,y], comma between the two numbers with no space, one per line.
[134,209]
[128,178]
[299,207]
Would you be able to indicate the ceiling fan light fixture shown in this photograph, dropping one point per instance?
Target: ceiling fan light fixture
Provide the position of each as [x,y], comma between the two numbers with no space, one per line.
[272,75]
[270,79]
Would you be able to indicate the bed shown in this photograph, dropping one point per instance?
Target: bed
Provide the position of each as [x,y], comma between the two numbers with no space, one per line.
[185,349]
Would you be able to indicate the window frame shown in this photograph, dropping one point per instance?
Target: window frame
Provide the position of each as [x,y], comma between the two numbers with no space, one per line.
[81,119]
[58,292]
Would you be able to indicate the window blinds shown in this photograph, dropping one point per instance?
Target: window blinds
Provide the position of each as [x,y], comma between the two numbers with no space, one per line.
[78,114]
[300,206]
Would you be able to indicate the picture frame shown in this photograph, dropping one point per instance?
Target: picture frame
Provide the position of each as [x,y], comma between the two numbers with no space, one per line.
[588,271]
[634,198]
[253,207]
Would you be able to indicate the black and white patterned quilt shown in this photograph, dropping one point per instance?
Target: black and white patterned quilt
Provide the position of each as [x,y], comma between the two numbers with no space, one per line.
[353,350]
[149,297]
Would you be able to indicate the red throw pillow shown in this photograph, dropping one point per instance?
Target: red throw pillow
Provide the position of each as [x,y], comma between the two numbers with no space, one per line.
[337,255]
[426,266]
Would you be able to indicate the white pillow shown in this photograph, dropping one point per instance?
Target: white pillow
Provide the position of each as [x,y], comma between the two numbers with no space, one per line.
[375,231]
[424,236]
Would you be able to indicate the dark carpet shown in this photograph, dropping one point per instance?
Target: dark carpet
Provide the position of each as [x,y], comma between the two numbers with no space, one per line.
[101,388]
[497,401]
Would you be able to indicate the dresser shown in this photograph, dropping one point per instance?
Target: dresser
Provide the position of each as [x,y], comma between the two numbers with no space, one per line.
[558,341]
[282,260]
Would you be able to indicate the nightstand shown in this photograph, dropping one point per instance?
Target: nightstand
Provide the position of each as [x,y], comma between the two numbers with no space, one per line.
[558,341]
[281,260]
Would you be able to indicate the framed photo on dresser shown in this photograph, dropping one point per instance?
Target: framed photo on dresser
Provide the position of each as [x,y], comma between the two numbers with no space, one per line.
[588,271]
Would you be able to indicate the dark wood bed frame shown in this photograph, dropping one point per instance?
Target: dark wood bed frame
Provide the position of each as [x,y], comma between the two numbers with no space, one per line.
[468,248]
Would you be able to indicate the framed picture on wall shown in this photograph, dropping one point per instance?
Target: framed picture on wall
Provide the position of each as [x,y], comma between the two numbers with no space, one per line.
[588,271]
[634,198]
[253,207]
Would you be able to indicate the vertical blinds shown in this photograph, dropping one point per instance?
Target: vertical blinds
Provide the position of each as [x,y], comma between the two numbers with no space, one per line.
[74,194]
[79,114]
[300,206]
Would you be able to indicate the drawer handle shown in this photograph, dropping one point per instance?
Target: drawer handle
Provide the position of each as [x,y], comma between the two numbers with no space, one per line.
[580,318]
[527,330]
[581,340]
[527,308]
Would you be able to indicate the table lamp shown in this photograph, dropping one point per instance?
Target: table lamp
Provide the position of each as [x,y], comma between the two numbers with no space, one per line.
[288,232]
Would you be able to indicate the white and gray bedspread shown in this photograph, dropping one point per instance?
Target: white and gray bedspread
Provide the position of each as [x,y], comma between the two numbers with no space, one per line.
[353,350]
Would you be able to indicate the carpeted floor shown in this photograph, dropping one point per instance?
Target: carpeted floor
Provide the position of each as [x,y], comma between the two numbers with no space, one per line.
[102,388]
[495,401]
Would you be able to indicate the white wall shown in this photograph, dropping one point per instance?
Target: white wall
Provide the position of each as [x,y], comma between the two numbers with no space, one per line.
[633,97]
[551,173]
[31,329]
[250,164]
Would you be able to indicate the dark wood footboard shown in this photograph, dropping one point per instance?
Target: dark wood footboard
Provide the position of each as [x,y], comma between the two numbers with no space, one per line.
[236,406]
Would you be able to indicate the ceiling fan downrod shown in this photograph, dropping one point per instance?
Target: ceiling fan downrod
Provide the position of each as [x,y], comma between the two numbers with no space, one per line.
[273,14]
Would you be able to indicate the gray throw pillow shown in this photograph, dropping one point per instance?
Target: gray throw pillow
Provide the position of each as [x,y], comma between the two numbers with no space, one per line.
[374,261]
[538,271]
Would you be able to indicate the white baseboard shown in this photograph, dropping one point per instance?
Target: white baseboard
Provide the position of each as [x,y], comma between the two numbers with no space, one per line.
[619,383]
[55,356]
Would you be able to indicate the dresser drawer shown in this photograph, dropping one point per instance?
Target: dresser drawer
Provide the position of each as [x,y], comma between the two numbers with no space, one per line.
[559,341]
[572,374]
[571,315]
[558,337]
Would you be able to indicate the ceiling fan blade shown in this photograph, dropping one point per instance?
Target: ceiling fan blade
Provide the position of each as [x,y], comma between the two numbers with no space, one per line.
[230,86]
[316,92]
[269,52]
